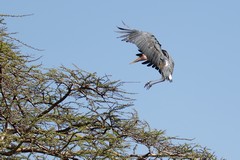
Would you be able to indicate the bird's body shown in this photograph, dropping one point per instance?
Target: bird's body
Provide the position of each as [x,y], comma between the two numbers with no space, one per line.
[150,52]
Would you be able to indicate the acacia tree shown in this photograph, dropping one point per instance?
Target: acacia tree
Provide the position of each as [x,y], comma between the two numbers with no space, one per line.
[72,114]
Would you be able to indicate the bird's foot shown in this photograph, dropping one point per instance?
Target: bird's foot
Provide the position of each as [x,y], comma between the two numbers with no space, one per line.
[148,85]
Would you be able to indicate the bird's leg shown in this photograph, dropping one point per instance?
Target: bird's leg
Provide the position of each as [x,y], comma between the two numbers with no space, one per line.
[149,84]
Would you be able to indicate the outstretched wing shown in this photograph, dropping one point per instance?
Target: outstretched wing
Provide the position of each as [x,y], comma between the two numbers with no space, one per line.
[147,44]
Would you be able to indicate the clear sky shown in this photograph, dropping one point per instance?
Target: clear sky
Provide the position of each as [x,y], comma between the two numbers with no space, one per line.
[203,37]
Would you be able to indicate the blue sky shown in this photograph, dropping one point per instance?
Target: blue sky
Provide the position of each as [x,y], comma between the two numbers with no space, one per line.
[203,102]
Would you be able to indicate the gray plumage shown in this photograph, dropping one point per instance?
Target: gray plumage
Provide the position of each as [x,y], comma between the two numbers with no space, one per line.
[150,52]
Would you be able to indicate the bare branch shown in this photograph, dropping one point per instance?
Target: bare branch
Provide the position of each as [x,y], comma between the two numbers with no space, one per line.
[56,103]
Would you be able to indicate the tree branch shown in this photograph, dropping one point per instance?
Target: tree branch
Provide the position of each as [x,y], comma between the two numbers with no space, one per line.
[56,103]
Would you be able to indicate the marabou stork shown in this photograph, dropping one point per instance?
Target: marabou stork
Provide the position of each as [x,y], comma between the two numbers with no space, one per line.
[150,52]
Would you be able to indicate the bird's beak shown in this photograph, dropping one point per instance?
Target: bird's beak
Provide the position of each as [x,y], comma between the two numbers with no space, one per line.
[136,60]
[142,57]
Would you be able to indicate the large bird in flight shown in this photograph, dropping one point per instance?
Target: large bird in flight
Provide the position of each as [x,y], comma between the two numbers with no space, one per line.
[150,52]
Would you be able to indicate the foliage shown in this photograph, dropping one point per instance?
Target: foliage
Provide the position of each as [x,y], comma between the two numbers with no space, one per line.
[72,114]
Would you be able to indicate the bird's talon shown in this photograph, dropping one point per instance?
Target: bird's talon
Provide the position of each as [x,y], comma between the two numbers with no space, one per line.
[148,85]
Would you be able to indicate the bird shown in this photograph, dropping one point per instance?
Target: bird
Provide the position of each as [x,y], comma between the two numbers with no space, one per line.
[151,53]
